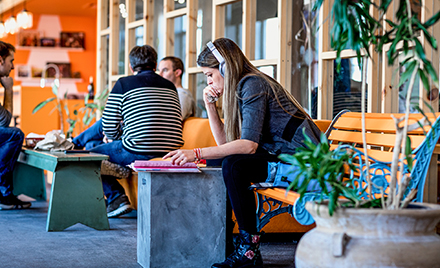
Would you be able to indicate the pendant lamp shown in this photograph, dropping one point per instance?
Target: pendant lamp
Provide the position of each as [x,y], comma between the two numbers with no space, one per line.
[25,18]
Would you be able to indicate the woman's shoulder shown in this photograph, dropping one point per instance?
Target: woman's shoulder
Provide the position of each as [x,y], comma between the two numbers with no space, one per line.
[252,84]
[251,78]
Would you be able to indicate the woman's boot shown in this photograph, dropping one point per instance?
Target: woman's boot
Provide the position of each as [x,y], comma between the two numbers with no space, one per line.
[246,252]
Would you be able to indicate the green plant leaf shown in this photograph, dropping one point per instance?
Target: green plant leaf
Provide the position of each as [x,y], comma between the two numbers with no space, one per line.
[424,79]
[431,21]
[54,89]
[432,72]
[408,154]
[408,72]
[66,108]
[42,104]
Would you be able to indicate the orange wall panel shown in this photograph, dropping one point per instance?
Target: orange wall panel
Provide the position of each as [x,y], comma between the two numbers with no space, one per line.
[42,121]
[81,61]
[85,61]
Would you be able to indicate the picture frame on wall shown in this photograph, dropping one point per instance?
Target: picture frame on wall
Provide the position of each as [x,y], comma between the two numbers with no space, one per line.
[28,38]
[47,42]
[72,39]
[23,71]
[64,67]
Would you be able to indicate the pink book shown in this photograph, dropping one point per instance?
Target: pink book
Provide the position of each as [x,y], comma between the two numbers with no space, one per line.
[141,164]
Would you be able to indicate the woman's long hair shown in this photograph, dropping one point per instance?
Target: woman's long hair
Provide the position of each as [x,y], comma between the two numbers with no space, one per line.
[237,67]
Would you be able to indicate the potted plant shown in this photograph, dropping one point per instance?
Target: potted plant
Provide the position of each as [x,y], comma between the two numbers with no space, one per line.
[358,231]
[89,109]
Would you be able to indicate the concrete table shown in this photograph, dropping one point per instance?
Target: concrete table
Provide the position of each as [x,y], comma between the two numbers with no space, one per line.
[76,194]
[181,218]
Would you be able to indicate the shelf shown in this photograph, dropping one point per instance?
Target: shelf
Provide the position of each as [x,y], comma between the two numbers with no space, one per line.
[36,80]
[49,48]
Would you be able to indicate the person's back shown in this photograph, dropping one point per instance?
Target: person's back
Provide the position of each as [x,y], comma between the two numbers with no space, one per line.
[149,107]
[142,117]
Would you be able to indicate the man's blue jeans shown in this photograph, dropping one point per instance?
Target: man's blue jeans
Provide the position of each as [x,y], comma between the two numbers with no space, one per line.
[11,141]
[90,137]
[119,155]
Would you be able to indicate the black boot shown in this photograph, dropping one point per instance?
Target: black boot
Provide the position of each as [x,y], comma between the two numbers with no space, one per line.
[246,253]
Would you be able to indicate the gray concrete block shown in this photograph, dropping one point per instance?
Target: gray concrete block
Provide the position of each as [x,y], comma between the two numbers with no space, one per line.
[181,219]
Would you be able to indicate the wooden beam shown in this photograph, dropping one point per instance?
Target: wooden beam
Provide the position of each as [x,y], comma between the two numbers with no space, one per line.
[114,42]
[168,6]
[264,62]
[135,24]
[191,45]
[149,22]
[224,2]
[176,13]
[248,35]
[284,66]
[218,21]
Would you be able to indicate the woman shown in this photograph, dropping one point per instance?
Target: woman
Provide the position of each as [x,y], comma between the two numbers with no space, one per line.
[262,120]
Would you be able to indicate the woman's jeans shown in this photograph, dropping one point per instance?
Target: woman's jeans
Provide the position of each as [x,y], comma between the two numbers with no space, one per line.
[11,141]
[238,173]
[119,155]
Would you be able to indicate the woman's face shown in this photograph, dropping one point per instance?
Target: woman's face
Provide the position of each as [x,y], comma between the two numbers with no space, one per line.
[214,78]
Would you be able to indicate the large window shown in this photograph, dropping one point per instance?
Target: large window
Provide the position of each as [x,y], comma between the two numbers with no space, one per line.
[285,39]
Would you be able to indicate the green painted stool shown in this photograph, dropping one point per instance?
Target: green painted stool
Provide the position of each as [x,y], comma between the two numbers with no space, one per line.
[76,194]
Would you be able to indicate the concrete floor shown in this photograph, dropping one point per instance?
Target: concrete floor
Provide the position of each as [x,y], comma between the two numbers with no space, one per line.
[25,243]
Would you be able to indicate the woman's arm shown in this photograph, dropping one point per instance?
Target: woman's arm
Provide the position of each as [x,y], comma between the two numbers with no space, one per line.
[180,157]
[215,122]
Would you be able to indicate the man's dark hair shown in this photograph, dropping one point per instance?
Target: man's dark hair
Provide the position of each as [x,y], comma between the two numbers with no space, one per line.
[143,58]
[5,49]
[177,64]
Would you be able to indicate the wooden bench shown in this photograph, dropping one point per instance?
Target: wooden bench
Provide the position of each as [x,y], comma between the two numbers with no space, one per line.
[76,194]
[380,139]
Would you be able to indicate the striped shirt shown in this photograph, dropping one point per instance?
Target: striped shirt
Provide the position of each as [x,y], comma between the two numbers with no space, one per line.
[148,105]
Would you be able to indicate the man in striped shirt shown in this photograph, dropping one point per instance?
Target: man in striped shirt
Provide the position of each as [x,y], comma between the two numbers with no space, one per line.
[143,118]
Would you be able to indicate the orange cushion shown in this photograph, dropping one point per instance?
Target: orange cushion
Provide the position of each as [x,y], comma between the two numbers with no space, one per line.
[197,133]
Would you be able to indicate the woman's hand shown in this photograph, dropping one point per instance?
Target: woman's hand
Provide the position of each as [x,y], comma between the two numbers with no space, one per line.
[180,157]
[211,95]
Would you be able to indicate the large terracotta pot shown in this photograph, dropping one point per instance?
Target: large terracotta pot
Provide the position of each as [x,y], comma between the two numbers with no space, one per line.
[371,238]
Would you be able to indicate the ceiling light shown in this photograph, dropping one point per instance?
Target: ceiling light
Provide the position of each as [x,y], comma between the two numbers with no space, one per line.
[11,25]
[25,18]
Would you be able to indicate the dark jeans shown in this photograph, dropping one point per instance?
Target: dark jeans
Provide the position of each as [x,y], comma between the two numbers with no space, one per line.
[119,155]
[90,137]
[238,173]
[11,141]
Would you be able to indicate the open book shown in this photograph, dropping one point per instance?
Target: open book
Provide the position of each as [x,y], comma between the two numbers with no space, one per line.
[163,166]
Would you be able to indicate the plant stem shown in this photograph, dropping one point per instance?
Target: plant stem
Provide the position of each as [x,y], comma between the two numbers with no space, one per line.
[404,134]
[60,113]
[364,136]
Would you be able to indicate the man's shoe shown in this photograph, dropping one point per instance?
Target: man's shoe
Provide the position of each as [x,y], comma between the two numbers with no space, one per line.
[119,206]
[12,202]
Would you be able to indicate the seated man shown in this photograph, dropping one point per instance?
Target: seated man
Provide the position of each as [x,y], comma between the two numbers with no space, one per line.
[172,69]
[11,138]
[148,106]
